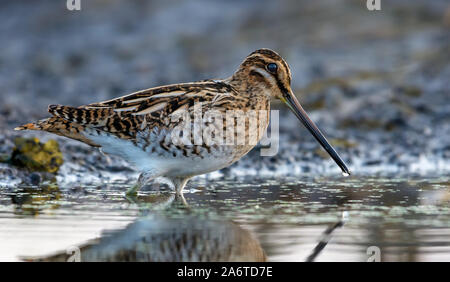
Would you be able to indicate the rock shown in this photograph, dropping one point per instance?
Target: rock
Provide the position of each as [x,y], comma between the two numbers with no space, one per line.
[36,156]
[35,178]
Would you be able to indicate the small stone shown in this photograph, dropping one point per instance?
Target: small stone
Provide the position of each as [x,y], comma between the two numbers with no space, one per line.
[35,178]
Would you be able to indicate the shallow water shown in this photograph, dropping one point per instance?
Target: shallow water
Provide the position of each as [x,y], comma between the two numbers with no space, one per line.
[401,219]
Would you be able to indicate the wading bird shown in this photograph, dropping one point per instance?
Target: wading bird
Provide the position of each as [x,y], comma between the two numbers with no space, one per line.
[139,127]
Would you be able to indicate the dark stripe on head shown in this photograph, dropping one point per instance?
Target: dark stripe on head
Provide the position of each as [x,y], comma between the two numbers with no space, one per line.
[255,60]
[281,86]
[253,72]
[288,71]
[261,77]
[268,53]
[259,55]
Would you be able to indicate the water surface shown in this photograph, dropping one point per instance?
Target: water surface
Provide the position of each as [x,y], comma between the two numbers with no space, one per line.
[405,219]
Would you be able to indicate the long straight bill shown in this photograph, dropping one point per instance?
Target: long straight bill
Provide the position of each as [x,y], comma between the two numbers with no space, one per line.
[298,110]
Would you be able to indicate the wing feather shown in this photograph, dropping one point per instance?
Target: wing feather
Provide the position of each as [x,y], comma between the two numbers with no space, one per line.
[127,115]
[151,109]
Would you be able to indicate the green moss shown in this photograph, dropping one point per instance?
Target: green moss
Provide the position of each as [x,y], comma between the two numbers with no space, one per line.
[36,156]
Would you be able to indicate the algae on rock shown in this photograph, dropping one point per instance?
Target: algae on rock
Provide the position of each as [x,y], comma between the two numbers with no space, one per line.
[36,156]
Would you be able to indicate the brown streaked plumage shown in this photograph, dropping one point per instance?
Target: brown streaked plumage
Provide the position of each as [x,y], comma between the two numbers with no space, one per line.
[140,126]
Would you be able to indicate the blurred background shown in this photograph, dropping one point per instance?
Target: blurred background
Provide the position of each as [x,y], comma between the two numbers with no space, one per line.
[375,82]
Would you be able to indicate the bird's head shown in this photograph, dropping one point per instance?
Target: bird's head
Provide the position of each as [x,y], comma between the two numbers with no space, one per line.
[267,73]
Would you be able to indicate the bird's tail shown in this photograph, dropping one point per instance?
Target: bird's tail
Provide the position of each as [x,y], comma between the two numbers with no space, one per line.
[38,125]
[61,127]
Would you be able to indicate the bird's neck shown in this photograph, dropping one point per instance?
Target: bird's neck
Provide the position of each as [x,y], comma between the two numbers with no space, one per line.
[256,91]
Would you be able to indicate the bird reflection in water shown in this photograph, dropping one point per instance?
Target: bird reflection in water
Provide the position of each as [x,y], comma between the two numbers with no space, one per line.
[155,238]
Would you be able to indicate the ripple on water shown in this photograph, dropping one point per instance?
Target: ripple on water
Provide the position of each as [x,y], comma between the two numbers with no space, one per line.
[286,216]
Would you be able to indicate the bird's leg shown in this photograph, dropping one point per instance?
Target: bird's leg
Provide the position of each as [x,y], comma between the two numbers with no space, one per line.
[143,178]
[179,183]
[179,198]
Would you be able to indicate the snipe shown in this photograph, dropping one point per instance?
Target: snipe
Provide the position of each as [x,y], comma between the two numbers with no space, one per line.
[144,127]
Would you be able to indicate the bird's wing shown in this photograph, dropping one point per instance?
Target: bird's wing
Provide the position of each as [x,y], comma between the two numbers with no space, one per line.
[127,115]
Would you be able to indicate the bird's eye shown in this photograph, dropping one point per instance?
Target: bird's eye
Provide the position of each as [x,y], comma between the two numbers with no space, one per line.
[272,68]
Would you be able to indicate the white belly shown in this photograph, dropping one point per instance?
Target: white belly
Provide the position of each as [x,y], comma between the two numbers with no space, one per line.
[165,163]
